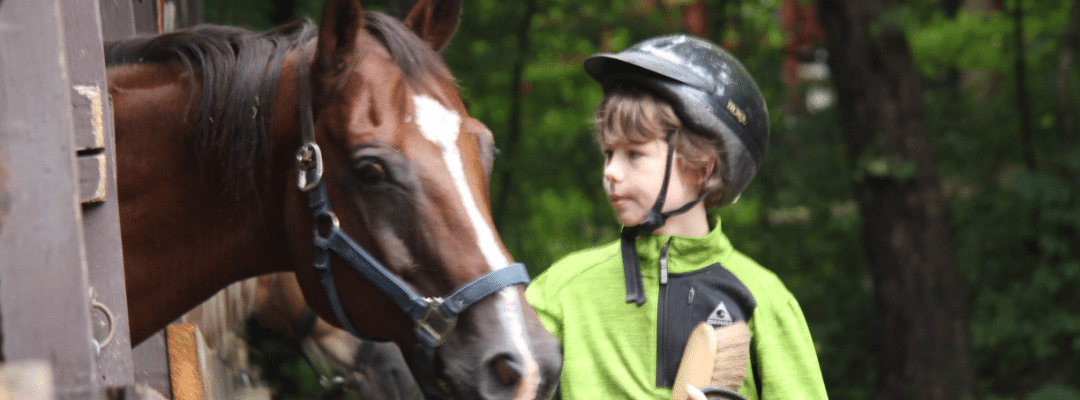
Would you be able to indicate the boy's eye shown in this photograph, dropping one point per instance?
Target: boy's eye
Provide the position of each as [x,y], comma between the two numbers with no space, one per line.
[607,154]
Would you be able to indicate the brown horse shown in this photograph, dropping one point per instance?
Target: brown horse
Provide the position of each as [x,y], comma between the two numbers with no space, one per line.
[385,218]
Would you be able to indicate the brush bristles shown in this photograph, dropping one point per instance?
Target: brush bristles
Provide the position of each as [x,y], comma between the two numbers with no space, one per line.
[732,356]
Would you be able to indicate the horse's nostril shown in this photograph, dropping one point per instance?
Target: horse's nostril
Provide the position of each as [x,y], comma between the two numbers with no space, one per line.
[505,368]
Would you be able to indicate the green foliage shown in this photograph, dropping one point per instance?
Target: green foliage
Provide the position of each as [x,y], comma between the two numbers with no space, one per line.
[1015,226]
[968,42]
[1021,252]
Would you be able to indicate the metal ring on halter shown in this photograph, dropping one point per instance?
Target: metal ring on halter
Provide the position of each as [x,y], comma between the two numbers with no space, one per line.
[334,225]
[94,303]
[309,158]
[424,325]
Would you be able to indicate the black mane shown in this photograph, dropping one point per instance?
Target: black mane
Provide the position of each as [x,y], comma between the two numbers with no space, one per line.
[238,71]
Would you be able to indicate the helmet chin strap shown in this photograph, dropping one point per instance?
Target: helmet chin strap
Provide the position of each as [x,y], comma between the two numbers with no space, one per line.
[654,219]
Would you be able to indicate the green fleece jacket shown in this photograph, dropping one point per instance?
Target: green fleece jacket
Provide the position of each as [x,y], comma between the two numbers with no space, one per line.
[610,345]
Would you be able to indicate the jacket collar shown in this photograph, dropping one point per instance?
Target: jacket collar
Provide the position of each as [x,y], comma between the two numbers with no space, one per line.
[685,254]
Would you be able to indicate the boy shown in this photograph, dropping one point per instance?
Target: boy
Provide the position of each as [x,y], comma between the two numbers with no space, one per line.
[682,124]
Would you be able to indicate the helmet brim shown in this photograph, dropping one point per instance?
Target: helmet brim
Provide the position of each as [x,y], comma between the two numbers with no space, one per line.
[603,65]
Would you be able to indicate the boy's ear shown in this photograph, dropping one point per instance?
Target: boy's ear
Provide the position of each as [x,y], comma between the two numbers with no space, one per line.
[708,171]
[700,176]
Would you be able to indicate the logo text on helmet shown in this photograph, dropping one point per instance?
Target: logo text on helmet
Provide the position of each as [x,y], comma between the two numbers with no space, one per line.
[737,112]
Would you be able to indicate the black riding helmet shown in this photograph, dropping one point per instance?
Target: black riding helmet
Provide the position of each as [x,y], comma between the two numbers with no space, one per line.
[710,90]
[713,95]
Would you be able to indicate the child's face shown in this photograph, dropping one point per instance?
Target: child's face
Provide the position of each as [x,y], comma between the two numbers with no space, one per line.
[634,175]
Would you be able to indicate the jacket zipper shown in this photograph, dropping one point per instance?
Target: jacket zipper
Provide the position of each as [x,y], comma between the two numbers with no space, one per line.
[661,318]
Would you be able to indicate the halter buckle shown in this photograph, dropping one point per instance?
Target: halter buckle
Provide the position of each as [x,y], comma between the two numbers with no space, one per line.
[436,334]
[309,160]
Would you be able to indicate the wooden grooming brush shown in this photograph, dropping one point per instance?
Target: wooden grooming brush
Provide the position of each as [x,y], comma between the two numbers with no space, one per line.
[714,357]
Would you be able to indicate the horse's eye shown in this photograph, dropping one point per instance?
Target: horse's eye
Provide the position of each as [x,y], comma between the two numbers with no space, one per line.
[371,171]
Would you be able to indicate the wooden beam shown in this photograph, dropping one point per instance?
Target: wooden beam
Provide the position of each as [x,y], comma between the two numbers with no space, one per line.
[93,128]
[45,292]
[186,362]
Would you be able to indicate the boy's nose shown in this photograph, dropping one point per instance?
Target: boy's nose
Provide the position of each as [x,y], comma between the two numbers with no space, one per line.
[612,171]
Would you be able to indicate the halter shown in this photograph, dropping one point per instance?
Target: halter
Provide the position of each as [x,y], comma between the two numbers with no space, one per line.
[434,317]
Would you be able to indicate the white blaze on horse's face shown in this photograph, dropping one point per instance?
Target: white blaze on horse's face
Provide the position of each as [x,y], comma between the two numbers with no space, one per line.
[441,126]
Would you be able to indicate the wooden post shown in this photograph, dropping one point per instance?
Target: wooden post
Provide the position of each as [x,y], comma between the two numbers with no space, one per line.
[93,124]
[45,291]
[187,362]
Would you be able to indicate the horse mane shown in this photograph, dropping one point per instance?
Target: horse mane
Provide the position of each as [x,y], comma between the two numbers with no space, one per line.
[239,69]
[238,72]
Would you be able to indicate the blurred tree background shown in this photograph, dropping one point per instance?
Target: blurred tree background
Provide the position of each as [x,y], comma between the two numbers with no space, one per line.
[991,94]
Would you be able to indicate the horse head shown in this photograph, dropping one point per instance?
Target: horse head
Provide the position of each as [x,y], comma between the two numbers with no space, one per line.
[394,178]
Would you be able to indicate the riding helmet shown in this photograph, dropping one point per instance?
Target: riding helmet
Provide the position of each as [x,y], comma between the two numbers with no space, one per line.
[710,91]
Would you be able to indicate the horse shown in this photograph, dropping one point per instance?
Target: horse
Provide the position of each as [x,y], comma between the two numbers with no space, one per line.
[369,369]
[342,153]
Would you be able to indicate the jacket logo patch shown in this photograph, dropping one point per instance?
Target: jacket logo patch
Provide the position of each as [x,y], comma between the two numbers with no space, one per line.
[720,316]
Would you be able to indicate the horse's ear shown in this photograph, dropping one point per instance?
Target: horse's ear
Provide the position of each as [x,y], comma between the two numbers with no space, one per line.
[435,21]
[342,21]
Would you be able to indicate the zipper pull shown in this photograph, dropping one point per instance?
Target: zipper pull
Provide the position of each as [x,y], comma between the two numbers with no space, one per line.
[664,261]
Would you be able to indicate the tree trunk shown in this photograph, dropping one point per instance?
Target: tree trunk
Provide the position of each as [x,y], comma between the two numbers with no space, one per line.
[1066,121]
[1023,104]
[516,122]
[922,327]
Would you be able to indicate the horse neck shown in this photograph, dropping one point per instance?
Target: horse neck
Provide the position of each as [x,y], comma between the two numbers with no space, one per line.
[182,240]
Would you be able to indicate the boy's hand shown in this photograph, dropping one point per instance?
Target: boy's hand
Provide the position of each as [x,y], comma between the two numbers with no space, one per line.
[715,393]
[694,393]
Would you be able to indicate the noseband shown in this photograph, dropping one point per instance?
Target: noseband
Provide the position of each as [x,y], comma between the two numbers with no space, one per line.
[434,317]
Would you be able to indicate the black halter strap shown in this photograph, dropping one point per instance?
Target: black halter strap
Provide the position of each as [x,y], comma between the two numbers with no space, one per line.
[654,219]
[434,317]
